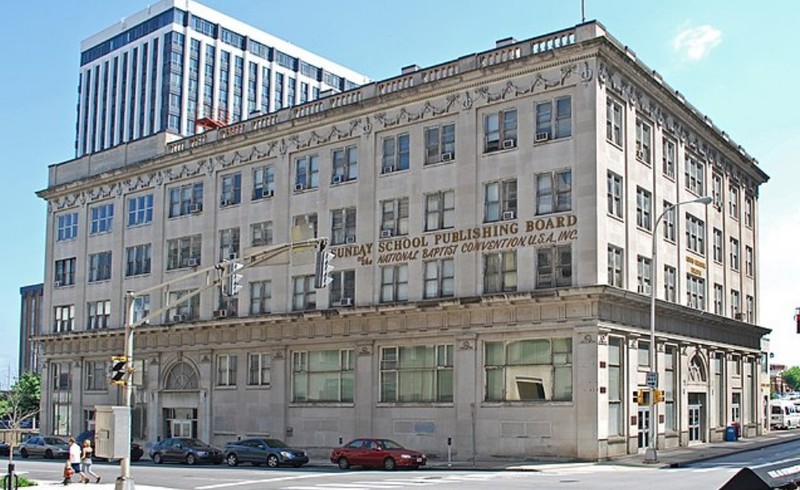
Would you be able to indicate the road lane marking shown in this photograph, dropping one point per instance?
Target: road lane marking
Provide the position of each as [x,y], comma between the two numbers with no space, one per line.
[266,480]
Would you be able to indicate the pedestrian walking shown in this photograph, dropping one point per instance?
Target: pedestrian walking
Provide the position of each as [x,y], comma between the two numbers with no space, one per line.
[74,458]
[86,463]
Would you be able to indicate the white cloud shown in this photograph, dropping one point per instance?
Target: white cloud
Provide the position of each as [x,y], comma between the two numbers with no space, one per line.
[694,43]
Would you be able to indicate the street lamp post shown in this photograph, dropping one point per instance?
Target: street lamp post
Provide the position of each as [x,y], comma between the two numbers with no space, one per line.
[651,455]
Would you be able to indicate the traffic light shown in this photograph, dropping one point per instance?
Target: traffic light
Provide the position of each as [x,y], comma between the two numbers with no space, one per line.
[640,397]
[658,396]
[323,265]
[231,279]
[119,368]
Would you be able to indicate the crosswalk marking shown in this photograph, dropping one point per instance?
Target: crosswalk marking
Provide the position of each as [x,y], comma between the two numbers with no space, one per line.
[397,483]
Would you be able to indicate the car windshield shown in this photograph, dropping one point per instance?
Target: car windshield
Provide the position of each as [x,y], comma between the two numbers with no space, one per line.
[390,444]
[275,443]
[195,443]
[54,440]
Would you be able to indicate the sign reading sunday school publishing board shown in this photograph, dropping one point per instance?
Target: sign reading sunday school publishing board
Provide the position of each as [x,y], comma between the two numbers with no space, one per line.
[492,237]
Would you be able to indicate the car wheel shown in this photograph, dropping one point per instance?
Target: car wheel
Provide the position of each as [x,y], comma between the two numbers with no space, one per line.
[48,454]
[272,461]
[232,460]
[24,453]
[389,464]
[190,459]
[157,458]
[343,463]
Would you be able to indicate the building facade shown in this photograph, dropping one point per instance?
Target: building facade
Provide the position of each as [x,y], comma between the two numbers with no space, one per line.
[177,64]
[492,220]
[30,327]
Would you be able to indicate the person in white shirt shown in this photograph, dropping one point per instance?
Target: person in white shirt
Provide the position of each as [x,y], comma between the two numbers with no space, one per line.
[74,455]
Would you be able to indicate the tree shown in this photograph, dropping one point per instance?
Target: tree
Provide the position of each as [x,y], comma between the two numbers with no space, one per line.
[792,377]
[21,403]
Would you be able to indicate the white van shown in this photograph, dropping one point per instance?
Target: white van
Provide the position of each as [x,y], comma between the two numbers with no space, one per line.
[783,414]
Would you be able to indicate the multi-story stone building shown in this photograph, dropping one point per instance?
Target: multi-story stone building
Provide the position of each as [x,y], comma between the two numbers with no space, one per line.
[179,66]
[492,220]
[30,327]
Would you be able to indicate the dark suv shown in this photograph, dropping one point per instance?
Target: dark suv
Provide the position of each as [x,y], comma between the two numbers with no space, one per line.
[136,450]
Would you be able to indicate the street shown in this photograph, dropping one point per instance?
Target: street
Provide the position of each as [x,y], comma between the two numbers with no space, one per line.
[704,475]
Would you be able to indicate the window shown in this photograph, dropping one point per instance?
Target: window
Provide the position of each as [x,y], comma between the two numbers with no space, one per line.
[500,272]
[439,278]
[440,210]
[64,272]
[345,164]
[231,189]
[553,125]
[140,210]
[614,122]
[669,283]
[695,234]
[554,192]
[260,297]
[750,305]
[528,370]
[719,299]
[184,252]
[670,388]
[644,141]
[100,266]
[258,369]
[395,153]
[615,266]
[141,307]
[96,377]
[748,260]
[64,318]
[500,200]
[733,202]
[614,194]
[669,222]
[186,199]
[716,190]
[102,218]
[304,296]
[668,157]
[343,288]
[343,226]
[98,314]
[229,244]
[138,260]
[734,254]
[263,182]
[394,283]
[261,234]
[748,211]
[500,130]
[616,387]
[643,351]
[308,221]
[188,309]
[306,175]
[717,245]
[695,292]
[323,376]
[417,374]
[226,370]
[736,305]
[644,212]
[440,143]
[695,175]
[554,266]
[394,217]
[67,226]
[644,274]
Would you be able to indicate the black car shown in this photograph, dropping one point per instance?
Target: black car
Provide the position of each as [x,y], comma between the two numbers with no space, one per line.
[4,448]
[273,452]
[185,450]
[136,450]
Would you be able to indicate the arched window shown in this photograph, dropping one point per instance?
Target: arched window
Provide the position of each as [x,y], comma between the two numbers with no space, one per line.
[697,369]
[182,376]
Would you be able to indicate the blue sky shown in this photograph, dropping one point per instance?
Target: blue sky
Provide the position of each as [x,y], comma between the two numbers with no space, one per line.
[735,61]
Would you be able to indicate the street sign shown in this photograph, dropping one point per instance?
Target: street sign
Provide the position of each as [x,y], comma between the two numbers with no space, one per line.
[652,379]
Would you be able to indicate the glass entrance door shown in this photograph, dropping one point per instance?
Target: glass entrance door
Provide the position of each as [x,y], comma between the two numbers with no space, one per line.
[644,427]
[695,427]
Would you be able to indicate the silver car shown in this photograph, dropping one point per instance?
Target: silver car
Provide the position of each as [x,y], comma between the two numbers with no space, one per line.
[45,446]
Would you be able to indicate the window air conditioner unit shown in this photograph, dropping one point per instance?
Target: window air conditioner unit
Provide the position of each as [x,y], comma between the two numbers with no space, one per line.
[233,256]
[509,215]
[346,302]
[542,136]
[269,193]
[337,179]
[220,313]
[299,187]
[196,207]
[738,316]
[641,288]
[446,157]
[178,318]
[640,154]
[58,284]
[509,143]
[192,262]
[225,202]
[387,233]
[388,169]
[350,239]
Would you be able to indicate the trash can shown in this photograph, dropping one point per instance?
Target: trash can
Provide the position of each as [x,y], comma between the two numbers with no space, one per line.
[730,433]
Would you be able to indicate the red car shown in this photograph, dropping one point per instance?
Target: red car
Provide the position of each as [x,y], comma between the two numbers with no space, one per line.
[379,453]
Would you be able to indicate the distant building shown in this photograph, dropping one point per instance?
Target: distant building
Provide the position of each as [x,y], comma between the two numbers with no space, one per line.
[492,219]
[777,381]
[178,65]
[30,327]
